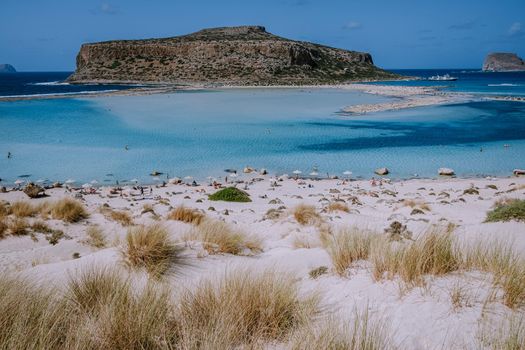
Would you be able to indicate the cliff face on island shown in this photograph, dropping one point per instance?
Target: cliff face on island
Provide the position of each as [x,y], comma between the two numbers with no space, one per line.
[503,62]
[7,68]
[247,55]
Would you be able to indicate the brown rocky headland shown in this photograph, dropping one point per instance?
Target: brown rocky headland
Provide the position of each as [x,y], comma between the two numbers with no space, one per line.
[246,55]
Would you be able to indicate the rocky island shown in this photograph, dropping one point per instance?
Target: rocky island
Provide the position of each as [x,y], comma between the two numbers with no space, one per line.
[503,62]
[246,55]
[7,68]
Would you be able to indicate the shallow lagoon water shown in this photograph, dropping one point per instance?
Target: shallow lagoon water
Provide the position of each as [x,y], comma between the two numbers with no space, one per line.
[200,134]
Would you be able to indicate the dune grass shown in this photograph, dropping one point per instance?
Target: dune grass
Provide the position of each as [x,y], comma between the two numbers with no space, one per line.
[219,237]
[362,333]
[22,209]
[242,307]
[121,216]
[508,210]
[41,227]
[431,254]
[306,215]
[416,204]
[347,246]
[95,237]
[150,247]
[32,316]
[67,210]
[506,265]
[3,228]
[124,317]
[230,194]
[509,333]
[187,215]
[18,227]
[337,206]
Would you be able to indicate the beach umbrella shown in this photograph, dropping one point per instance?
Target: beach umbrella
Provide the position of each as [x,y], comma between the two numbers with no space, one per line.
[297,172]
[19,182]
[314,173]
[70,181]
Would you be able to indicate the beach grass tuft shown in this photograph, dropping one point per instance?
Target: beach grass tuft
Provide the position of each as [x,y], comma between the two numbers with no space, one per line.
[243,307]
[95,237]
[18,227]
[68,210]
[219,237]
[230,194]
[150,247]
[187,215]
[362,333]
[306,215]
[338,206]
[23,209]
[347,246]
[433,253]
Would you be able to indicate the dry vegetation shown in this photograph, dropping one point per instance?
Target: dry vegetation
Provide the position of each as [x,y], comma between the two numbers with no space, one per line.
[190,216]
[414,203]
[507,267]
[243,307]
[361,334]
[18,227]
[150,247]
[100,308]
[431,254]
[347,246]
[68,210]
[95,237]
[306,215]
[122,217]
[220,237]
[23,209]
[337,206]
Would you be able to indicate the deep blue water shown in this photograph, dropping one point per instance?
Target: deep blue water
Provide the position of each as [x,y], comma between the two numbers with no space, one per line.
[469,80]
[45,83]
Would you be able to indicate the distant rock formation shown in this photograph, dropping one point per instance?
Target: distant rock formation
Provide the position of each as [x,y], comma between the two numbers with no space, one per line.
[7,68]
[503,62]
[246,55]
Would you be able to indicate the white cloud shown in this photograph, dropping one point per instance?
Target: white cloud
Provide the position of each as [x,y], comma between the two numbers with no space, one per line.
[105,8]
[515,29]
[352,25]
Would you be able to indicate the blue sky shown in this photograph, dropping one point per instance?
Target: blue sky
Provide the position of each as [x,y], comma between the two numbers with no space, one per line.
[45,35]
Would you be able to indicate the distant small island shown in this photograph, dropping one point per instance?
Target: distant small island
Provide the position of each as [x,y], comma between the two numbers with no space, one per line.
[503,62]
[246,55]
[7,68]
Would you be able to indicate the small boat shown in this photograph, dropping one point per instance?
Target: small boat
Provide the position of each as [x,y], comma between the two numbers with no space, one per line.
[445,77]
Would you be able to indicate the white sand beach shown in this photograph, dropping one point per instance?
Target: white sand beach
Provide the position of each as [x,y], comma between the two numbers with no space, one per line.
[446,310]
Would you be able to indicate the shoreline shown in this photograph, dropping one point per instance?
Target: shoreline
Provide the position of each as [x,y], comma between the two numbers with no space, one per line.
[248,178]
[409,96]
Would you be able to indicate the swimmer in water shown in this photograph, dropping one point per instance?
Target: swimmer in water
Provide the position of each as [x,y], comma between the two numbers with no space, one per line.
[8,155]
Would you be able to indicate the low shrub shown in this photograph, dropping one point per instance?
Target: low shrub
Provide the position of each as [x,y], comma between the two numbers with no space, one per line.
[230,194]
[507,211]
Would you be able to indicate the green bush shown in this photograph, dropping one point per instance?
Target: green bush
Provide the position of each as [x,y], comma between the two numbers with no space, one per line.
[511,210]
[230,194]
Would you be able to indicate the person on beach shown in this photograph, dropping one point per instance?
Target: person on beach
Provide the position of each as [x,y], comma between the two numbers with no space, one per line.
[373,182]
[141,191]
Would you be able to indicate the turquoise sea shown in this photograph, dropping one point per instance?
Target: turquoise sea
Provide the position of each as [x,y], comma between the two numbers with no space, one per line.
[200,134]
